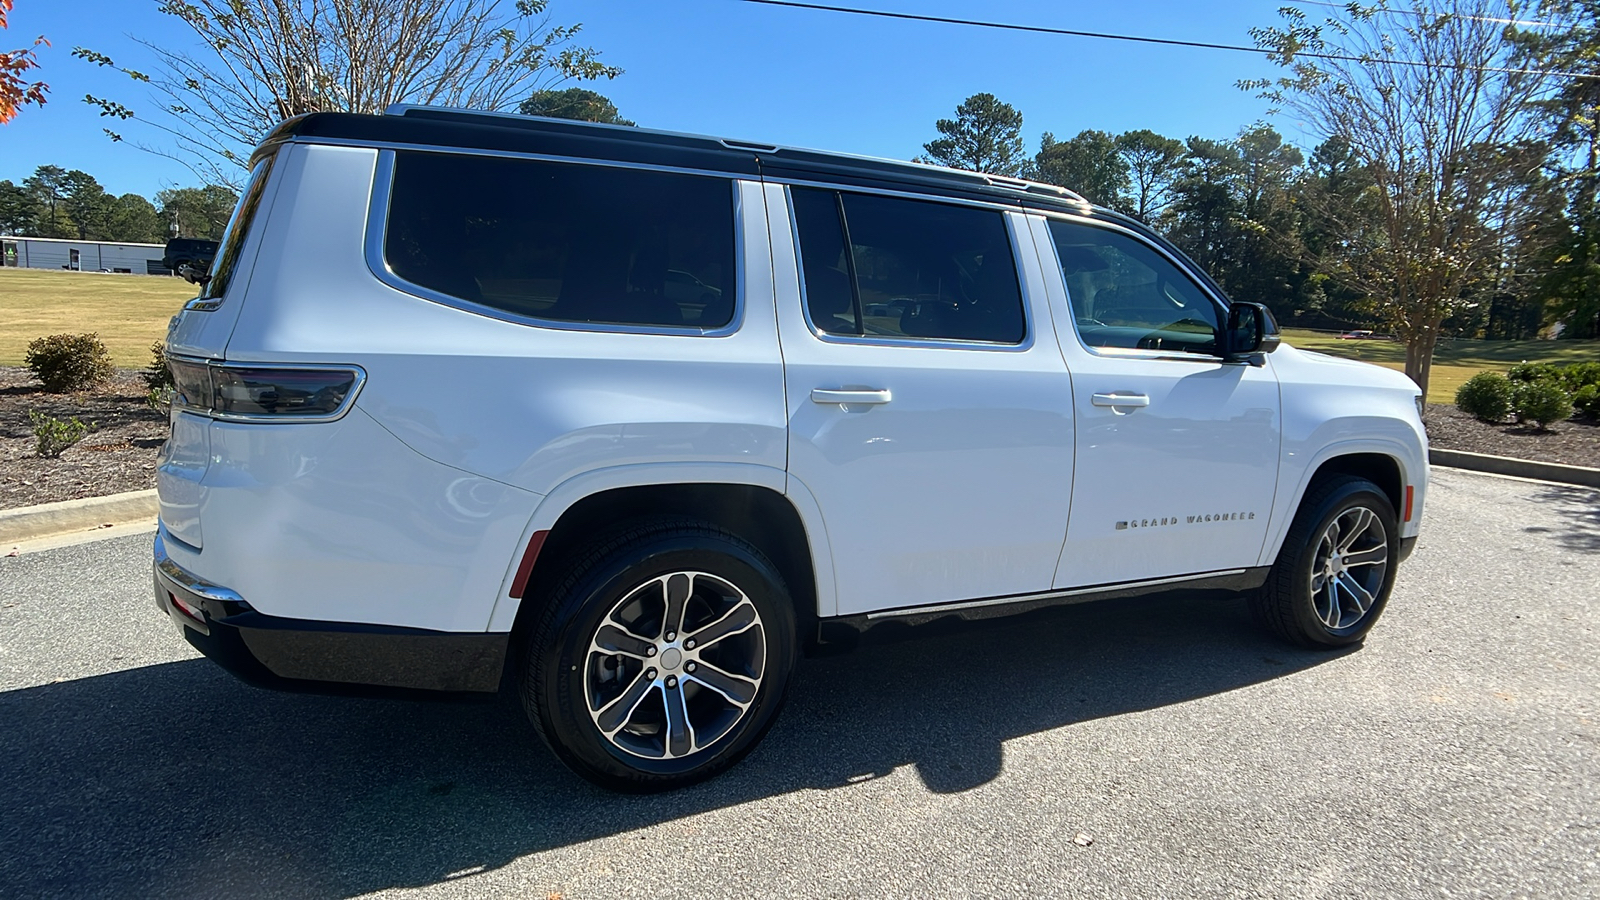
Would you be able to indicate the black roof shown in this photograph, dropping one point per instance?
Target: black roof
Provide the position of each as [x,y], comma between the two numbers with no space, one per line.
[467,129]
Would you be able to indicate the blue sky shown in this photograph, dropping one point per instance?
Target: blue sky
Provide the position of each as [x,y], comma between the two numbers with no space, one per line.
[789,76]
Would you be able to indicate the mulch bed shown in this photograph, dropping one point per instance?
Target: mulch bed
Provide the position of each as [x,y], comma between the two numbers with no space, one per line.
[1575,442]
[120,454]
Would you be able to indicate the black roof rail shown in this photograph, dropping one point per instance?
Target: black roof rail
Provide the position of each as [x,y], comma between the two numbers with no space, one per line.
[446,127]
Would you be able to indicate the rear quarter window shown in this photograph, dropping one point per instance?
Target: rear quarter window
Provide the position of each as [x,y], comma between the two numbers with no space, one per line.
[565,242]
[232,243]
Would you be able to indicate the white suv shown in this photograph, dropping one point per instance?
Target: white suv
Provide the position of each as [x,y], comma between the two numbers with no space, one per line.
[628,420]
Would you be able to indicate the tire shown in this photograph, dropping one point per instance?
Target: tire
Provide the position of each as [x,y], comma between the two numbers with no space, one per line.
[1336,568]
[661,658]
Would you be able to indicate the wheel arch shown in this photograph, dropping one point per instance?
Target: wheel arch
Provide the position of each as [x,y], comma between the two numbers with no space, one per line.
[1380,462]
[753,506]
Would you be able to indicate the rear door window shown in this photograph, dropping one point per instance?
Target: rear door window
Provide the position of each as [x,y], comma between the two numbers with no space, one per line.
[893,267]
[565,242]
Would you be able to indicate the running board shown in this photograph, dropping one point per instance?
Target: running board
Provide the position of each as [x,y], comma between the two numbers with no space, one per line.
[844,629]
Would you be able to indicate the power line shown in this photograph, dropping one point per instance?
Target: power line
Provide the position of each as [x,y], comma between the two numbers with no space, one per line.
[1141,39]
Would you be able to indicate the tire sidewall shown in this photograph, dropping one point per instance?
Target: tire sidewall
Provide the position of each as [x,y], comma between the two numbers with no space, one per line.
[1339,501]
[562,703]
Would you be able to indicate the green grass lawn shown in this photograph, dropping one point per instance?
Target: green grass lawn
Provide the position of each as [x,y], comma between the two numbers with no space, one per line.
[129,312]
[1453,361]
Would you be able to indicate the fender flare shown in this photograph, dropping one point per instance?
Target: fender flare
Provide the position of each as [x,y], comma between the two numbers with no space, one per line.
[587,484]
[1403,456]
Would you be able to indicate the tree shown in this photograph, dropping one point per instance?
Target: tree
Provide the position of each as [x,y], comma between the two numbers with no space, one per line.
[573,103]
[134,218]
[16,209]
[201,212]
[88,206]
[15,92]
[1572,259]
[1204,219]
[47,188]
[1414,90]
[1154,166]
[273,59]
[1088,164]
[985,136]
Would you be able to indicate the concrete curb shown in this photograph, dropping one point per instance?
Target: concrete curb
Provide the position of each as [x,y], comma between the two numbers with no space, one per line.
[30,523]
[1519,468]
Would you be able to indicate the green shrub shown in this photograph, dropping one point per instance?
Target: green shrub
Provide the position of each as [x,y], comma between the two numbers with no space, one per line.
[1486,396]
[1587,400]
[52,436]
[70,362]
[1528,373]
[159,398]
[1581,375]
[158,375]
[1542,402]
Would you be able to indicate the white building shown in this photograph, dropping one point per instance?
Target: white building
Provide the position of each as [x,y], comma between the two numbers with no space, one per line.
[81,256]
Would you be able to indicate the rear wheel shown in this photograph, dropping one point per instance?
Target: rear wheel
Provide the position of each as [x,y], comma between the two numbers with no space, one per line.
[662,658]
[1336,568]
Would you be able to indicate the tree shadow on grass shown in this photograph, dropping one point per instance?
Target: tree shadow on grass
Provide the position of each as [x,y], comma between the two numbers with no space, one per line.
[175,780]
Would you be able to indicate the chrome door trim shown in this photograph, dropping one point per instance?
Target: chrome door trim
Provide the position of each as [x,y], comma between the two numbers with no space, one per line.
[1049,595]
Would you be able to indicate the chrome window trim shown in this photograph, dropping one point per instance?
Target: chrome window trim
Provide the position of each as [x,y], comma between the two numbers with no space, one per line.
[344,406]
[1025,344]
[1131,352]
[378,264]
[889,192]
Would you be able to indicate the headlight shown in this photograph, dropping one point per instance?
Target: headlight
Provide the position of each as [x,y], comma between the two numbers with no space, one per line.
[1422,405]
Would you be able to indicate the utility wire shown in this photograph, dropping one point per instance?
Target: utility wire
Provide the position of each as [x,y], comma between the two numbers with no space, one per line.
[1169,42]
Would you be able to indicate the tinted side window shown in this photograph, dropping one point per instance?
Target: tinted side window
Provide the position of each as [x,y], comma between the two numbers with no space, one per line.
[232,243]
[913,268]
[1125,294]
[571,243]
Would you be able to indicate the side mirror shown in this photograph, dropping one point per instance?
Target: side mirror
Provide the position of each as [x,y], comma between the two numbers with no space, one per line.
[1251,332]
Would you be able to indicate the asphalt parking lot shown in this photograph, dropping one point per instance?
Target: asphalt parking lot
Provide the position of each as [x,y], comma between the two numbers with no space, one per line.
[1456,754]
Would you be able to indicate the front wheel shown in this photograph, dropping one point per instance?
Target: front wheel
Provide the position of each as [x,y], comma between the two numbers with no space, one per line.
[1337,566]
[662,658]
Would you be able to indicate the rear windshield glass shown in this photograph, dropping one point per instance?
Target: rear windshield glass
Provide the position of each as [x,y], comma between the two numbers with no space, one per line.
[571,243]
[227,259]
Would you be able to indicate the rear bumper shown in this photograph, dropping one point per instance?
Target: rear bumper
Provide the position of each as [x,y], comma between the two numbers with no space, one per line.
[324,657]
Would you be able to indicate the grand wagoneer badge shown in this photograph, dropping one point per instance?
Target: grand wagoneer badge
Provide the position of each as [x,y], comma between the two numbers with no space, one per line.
[1165,521]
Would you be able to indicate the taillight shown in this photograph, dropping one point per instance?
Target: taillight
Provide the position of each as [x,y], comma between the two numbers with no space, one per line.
[251,393]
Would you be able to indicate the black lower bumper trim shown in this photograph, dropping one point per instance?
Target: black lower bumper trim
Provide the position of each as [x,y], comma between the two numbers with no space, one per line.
[1406,546]
[338,657]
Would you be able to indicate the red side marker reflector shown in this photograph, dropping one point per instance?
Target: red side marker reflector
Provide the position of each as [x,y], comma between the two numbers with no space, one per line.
[1410,490]
[185,608]
[529,557]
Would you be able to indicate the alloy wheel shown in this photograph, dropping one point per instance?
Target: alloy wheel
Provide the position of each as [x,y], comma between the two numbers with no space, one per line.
[674,665]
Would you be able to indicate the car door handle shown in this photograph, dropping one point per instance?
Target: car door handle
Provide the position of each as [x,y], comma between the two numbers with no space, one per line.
[1120,400]
[824,395]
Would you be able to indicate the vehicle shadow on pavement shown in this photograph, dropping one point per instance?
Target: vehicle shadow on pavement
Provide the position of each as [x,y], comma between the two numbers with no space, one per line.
[176,780]
[1579,509]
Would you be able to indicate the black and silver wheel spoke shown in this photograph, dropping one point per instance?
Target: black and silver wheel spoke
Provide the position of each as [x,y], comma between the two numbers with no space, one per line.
[691,650]
[739,691]
[618,711]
